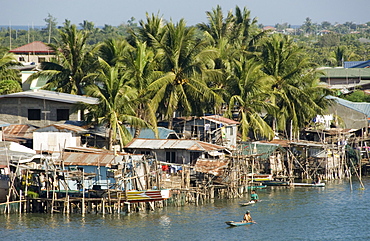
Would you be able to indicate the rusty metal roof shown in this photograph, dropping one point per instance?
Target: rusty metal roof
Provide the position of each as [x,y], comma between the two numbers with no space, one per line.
[89,159]
[62,127]
[34,47]
[214,167]
[220,119]
[18,133]
[153,144]
[281,142]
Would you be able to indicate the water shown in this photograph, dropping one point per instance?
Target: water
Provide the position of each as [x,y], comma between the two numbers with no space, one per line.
[331,213]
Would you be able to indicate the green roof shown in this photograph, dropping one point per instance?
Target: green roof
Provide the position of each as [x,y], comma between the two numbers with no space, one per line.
[263,150]
[346,73]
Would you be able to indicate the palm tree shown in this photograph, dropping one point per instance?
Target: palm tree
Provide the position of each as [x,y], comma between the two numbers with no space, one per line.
[140,70]
[7,60]
[251,99]
[151,31]
[10,80]
[73,62]
[138,63]
[232,36]
[113,51]
[295,88]
[115,103]
[184,64]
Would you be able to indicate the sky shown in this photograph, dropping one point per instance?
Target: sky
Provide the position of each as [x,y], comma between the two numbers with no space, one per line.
[116,12]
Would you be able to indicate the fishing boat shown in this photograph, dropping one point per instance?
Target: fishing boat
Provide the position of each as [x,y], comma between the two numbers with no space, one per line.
[259,177]
[321,184]
[275,183]
[248,203]
[232,223]
[146,195]
[133,195]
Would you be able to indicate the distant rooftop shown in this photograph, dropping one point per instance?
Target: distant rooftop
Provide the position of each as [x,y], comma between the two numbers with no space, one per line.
[357,64]
[220,119]
[52,96]
[362,107]
[34,47]
[169,144]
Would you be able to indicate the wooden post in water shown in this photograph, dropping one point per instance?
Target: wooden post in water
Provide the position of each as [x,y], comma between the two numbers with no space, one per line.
[83,192]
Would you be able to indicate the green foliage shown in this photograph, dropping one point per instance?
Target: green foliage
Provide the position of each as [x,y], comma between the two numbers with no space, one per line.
[9,86]
[357,96]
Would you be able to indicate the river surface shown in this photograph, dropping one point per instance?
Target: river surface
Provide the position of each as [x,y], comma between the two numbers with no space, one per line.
[335,212]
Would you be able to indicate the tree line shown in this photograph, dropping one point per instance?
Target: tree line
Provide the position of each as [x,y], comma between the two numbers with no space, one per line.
[157,69]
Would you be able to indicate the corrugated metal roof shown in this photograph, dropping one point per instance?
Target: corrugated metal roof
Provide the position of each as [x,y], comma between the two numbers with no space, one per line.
[362,107]
[87,150]
[53,96]
[214,167]
[90,159]
[365,64]
[63,127]
[172,144]
[363,73]
[34,47]
[280,142]
[351,64]
[82,156]
[18,133]
[220,119]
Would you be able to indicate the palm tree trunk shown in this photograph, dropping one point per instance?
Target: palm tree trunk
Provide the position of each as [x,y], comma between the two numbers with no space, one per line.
[110,139]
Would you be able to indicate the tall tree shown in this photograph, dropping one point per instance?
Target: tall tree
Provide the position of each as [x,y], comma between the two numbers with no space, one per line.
[138,63]
[295,89]
[251,100]
[7,60]
[73,62]
[51,24]
[233,35]
[115,107]
[10,78]
[140,70]
[184,65]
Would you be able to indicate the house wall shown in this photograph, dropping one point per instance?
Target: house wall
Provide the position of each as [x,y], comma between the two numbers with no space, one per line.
[36,58]
[229,136]
[100,178]
[180,156]
[54,141]
[197,130]
[15,111]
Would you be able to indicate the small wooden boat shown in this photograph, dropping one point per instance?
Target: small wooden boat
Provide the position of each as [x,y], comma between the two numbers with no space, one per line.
[259,177]
[275,183]
[248,203]
[321,184]
[232,223]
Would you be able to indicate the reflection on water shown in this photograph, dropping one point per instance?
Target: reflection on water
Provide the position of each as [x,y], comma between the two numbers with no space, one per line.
[331,213]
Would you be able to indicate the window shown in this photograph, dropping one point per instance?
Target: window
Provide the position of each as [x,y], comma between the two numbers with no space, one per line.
[21,59]
[171,156]
[34,114]
[41,59]
[147,153]
[62,114]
